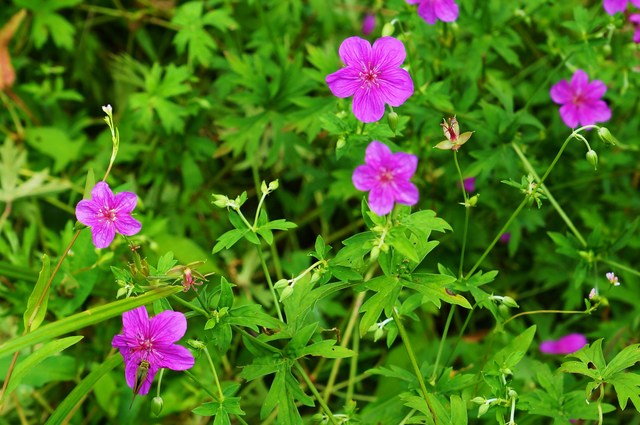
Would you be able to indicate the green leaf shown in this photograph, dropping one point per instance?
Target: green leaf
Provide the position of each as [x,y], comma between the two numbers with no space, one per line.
[230,405]
[326,349]
[627,387]
[192,35]
[34,314]
[228,239]
[510,356]
[433,287]
[387,289]
[624,360]
[33,360]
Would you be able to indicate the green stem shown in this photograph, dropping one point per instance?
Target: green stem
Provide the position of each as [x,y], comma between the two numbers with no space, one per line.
[201,385]
[462,329]
[315,392]
[215,374]
[204,306]
[465,198]
[621,267]
[412,357]
[548,194]
[527,313]
[190,306]
[432,381]
[353,369]
[159,382]
[265,269]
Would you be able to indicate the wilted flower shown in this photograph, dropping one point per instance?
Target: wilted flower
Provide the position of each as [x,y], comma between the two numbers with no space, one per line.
[613,279]
[432,10]
[566,345]
[151,341]
[451,131]
[581,100]
[368,23]
[635,21]
[386,176]
[614,6]
[107,214]
[372,75]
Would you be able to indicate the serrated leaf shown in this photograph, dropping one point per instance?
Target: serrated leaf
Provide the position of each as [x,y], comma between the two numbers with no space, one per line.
[228,239]
[624,360]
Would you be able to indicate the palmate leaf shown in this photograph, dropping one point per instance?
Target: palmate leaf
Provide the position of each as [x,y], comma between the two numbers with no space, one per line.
[47,23]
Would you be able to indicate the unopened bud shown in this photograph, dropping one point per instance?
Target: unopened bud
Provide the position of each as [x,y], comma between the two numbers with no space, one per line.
[282,283]
[606,136]
[273,185]
[592,157]
[286,293]
[340,143]
[220,201]
[156,405]
[483,409]
[387,29]
[379,333]
[509,302]
[263,187]
[473,201]
[392,119]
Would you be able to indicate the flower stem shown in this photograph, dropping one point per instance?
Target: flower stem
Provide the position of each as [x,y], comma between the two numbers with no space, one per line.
[215,374]
[527,313]
[622,267]
[412,357]
[432,381]
[315,392]
[265,269]
[465,198]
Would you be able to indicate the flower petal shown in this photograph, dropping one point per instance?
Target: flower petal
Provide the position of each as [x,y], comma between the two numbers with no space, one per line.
[413,1]
[355,51]
[579,82]
[125,202]
[396,86]
[427,11]
[135,322]
[87,212]
[344,82]
[102,195]
[566,345]
[381,199]
[127,225]
[176,357]
[102,234]
[167,327]
[595,90]
[636,3]
[377,154]
[364,177]
[614,6]
[387,52]
[593,112]
[569,114]
[446,10]
[367,105]
[403,165]
[130,371]
[561,92]
[406,193]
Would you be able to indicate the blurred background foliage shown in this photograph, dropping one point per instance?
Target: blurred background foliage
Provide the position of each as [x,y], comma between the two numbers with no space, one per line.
[216,96]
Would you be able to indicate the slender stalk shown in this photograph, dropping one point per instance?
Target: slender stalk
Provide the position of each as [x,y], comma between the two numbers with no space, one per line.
[265,269]
[315,392]
[189,305]
[452,310]
[215,374]
[204,306]
[465,198]
[201,385]
[527,313]
[353,369]
[462,329]
[412,357]
[622,267]
[159,382]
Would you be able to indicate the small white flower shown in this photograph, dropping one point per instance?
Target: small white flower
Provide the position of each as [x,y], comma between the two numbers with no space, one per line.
[593,293]
[613,279]
[107,109]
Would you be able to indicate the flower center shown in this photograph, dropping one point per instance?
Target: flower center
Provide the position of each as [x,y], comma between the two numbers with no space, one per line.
[144,344]
[107,214]
[369,76]
[385,176]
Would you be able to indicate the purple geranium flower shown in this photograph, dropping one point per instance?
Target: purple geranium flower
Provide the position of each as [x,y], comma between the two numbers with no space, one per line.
[614,6]
[107,214]
[368,23]
[469,184]
[372,75]
[580,100]
[386,175]
[566,345]
[432,10]
[635,21]
[152,340]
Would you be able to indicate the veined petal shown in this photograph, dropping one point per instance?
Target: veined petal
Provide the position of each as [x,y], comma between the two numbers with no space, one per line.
[381,199]
[614,6]
[579,82]
[413,1]
[446,10]
[561,92]
[102,195]
[396,86]
[355,51]
[135,322]
[127,225]
[167,327]
[176,357]
[367,105]
[595,111]
[387,52]
[130,371]
[377,154]
[87,212]
[636,35]
[569,114]
[595,90]
[125,202]
[427,12]
[403,165]
[364,177]
[102,234]
[636,3]
[406,193]
[344,82]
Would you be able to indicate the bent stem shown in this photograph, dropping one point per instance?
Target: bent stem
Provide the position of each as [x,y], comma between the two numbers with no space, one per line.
[315,392]
[412,357]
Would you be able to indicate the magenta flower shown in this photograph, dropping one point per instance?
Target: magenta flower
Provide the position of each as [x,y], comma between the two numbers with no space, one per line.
[469,184]
[614,6]
[432,10]
[505,238]
[566,345]
[580,100]
[152,340]
[368,23]
[386,176]
[372,75]
[635,21]
[107,214]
